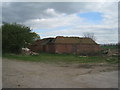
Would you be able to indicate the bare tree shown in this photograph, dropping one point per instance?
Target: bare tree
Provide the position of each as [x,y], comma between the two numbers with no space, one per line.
[89,35]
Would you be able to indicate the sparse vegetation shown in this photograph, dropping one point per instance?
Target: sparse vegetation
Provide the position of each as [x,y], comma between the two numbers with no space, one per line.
[67,58]
[89,35]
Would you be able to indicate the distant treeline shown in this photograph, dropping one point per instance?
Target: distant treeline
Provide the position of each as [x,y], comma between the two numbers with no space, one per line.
[110,46]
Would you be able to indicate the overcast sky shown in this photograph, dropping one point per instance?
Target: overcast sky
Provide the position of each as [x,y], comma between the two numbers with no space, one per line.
[50,19]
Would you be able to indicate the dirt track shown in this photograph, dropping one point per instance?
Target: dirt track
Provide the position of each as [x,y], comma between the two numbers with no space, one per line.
[20,74]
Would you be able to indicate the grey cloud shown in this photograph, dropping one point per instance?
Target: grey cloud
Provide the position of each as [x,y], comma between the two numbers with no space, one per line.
[23,11]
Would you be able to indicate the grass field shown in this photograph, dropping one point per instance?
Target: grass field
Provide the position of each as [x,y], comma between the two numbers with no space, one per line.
[110,47]
[67,58]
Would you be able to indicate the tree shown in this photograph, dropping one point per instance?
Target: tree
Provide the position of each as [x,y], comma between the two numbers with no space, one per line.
[0,42]
[89,35]
[16,36]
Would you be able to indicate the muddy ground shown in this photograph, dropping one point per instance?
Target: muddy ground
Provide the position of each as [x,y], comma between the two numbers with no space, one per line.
[25,74]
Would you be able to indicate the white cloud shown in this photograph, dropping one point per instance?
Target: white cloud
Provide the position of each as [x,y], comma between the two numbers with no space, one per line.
[60,1]
[102,34]
[50,11]
[60,20]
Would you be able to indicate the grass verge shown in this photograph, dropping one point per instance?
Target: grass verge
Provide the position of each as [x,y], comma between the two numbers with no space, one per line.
[67,58]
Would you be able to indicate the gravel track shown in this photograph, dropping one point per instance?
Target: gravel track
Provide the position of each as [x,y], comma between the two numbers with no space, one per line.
[25,74]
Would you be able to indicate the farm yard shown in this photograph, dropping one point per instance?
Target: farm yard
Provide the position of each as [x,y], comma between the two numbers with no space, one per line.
[61,62]
[31,69]
[50,70]
[60,45]
[59,71]
[26,74]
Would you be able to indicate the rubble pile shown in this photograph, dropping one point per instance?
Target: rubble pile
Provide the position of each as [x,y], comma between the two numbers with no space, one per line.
[27,51]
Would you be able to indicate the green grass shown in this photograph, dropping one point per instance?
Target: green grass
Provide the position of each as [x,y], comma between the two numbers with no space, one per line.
[110,47]
[67,58]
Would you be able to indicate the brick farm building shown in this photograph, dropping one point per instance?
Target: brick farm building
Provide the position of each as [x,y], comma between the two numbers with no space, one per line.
[60,44]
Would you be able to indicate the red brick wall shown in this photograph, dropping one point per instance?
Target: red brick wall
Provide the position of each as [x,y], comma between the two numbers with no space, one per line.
[35,48]
[87,48]
[43,48]
[72,48]
[66,48]
[50,48]
[63,48]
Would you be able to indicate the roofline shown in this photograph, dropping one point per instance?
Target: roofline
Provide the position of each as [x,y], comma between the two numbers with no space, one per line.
[75,43]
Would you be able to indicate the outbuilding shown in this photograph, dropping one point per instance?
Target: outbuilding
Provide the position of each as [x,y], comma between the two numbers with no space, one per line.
[60,44]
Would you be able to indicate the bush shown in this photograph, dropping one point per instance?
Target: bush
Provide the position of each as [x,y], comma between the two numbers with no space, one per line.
[16,36]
